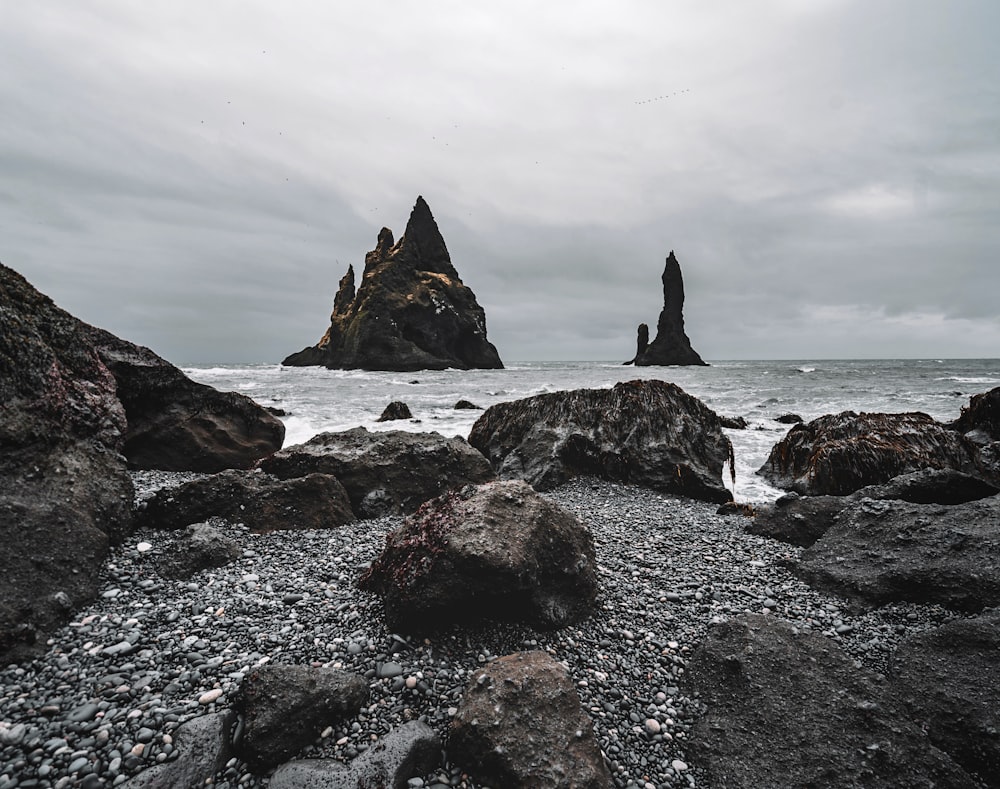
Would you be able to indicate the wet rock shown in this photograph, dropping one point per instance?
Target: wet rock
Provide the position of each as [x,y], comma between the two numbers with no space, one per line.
[259,501]
[981,415]
[385,472]
[520,723]
[789,708]
[671,345]
[465,405]
[789,419]
[395,410]
[647,433]
[733,422]
[200,546]
[497,551]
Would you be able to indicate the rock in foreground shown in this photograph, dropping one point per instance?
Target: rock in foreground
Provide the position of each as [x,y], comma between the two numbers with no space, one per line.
[788,708]
[520,723]
[648,433]
[411,311]
[497,551]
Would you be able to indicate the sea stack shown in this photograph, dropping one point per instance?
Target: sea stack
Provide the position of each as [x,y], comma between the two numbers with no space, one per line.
[411,310]
[671,345]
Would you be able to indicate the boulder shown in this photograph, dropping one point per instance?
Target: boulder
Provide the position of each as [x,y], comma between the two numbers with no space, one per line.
[202,746]
[520,723]
[671,345]
[284,708]
[496,551]
[946,679]
[799,521]
[839,453]
[411,312]
[790,708]
[409,751]
[175,424]
[880,551]
[65,494]
[465,405]
[789,419]
[395,410]
[981,416]
[201,546]
[733,422]
[259,501]
[386,472]
[647,433]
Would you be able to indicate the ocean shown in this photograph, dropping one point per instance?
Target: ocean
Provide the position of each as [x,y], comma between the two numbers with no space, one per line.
[316,400]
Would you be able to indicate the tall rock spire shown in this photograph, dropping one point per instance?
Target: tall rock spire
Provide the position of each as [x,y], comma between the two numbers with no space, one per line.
[671,345]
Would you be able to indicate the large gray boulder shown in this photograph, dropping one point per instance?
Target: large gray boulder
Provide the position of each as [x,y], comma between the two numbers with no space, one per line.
[880,551]
[840,453]
[202,745]
[258,501]
[520,723]
[786,708]
[947,680]
[385,473]
[201,546]
[497,551]
[647,433]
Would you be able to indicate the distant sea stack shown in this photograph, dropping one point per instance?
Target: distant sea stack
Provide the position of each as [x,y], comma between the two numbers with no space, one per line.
[671,345]
[410,312]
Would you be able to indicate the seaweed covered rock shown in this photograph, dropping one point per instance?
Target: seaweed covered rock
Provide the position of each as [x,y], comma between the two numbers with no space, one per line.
[385,472]
[839,453]
[981,415]
[789,708]
[647,433]
[520,723]
[494,551]
[411,311]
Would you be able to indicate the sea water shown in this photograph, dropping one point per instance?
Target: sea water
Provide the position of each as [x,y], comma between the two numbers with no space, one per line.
[316,400]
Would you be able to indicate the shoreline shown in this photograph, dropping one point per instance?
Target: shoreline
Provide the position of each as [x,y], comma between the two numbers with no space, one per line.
[139,661]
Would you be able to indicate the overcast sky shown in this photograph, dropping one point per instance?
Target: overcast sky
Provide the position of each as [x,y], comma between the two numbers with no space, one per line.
[196,176]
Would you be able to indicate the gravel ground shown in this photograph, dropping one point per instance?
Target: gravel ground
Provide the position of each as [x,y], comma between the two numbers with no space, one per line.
[150,653]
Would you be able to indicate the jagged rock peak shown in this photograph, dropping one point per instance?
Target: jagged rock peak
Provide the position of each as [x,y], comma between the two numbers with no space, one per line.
[671,345]
[410,311]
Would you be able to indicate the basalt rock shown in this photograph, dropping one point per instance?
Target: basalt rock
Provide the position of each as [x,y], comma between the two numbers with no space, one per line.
[841,453]
[260,502]
[520,723]
[496,551]
[201,546]
[641,342]
[411,311]
[671,345]
[395,410]
[789,708]
[647,433]
[176,424]
[981,415]
[385,472]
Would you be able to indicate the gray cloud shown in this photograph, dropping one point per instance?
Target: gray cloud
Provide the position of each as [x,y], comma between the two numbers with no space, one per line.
[197,178]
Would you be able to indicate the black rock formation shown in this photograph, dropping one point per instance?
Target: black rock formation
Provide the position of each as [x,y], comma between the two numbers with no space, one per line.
[671,345]
[410,312]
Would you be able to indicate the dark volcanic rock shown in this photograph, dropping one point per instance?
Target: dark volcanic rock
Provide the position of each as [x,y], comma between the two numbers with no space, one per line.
[202,745]
[284,708]
[64,491]
[789,419]
[671,345]
[260,502]
[411,311]
[520,723]
[840,453]
[409,751]
[947,679]
[641,342]
[497,551]
[465,405]
[647,433]
[200,546]
[386,472]
[788,708]
[733,422]
[879,551]
[175,424]
[395,410]
[981,415]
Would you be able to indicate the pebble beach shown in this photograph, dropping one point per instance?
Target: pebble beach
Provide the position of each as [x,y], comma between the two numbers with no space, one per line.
[150,653]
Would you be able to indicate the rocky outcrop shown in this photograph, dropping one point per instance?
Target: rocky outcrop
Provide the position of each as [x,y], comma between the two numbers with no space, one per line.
[397,409]
[880,551]
[671,345]
[981,416]
[283,708]
[260,502]
[840,453]
[64,492]
[520,723]
[496,551]
[387,472]
[411,311]
[647,433]
[641,342]
[176,424]
[946,679]
[789,708]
